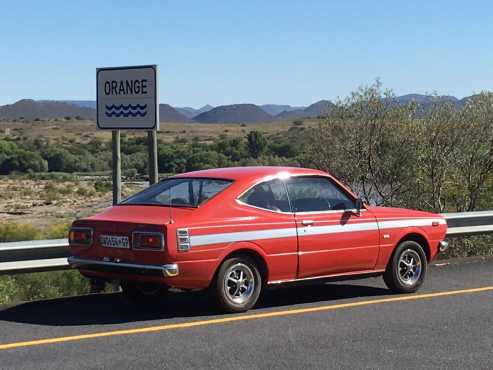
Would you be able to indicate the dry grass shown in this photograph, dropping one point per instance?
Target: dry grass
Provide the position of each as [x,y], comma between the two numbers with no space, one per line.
[44,203]
[84,131]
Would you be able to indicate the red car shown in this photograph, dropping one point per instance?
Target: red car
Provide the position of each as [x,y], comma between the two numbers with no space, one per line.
[236,230]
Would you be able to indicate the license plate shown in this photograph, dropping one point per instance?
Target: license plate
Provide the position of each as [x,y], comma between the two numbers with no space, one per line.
[114,241]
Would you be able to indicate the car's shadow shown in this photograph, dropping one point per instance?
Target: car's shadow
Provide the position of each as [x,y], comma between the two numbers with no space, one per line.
[101,309]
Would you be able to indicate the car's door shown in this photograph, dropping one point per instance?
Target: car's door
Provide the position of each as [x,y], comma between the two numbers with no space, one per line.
[332,237]
[271,225]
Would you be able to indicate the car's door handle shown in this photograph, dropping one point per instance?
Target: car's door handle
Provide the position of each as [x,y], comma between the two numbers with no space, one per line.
[307,222]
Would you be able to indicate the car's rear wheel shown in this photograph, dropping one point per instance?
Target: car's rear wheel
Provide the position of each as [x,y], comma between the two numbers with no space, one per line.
[406,270]
[238,284]
[143,293]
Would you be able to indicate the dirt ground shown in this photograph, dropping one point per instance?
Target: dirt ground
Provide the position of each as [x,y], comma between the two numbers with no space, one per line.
[44,203]
[84,131]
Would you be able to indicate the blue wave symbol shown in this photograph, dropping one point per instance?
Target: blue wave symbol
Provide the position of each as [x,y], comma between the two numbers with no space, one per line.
[128,110]
[126,114]
[126,107]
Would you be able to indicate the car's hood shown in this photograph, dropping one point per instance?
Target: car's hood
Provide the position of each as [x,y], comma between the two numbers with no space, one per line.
[391,212]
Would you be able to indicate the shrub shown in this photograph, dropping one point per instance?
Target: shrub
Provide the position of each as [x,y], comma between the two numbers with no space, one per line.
[103,186]
[42,285]
[58,231]
[11,232]
[84,191]
[257,143]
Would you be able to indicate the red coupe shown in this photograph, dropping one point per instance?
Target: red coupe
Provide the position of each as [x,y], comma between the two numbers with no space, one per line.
[236,230]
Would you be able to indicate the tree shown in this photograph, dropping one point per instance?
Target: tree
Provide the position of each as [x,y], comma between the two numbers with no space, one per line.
[23,161]
[437,135]
[473,162]
[367,142]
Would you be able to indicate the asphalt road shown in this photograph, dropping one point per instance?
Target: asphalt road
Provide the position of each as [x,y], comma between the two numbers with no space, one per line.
[357,324]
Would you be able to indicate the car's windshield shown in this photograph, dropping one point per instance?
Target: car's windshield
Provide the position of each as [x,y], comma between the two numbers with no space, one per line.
[180,192]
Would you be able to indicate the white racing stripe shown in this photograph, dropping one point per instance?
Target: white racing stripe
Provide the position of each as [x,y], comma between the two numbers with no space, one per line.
[409,223]
[339,228]
[199,240]
[241,236]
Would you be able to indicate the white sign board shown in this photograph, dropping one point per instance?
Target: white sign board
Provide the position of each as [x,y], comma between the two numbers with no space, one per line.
[127,98]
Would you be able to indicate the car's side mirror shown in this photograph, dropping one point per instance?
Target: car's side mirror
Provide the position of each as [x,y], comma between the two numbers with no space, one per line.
[358,205]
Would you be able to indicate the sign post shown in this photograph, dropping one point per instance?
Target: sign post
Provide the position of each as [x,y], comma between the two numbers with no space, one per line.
[127,99]
[152,146]
[116,167]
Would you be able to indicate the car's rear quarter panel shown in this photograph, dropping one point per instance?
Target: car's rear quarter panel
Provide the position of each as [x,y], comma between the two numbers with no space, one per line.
[236,221]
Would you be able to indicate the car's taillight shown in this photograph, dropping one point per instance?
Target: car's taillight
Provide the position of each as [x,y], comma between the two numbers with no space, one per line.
[147,240]
[80,236]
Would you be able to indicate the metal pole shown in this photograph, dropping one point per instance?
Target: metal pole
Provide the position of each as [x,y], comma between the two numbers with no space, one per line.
[152,146]
[116,167]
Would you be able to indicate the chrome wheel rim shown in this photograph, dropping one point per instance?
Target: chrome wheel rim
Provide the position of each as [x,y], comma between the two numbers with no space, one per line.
[410,267]
[239,283]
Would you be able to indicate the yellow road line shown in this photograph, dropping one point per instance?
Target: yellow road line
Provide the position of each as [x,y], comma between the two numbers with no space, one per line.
[191,324]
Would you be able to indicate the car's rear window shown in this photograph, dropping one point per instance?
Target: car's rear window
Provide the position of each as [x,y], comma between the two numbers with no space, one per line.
[179,192]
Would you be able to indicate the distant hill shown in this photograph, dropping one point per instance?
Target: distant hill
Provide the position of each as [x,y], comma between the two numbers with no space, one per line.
[236,113]
[169,114]
[320,108]
[426,100]
[165,113]
[192,112]
[275,109]
[46,109]
[32,109]
[82,103]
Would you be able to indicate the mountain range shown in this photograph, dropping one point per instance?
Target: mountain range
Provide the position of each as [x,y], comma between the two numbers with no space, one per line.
[235,113]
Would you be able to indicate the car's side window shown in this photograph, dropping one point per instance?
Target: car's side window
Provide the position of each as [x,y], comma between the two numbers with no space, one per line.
[312,194]
[269,195]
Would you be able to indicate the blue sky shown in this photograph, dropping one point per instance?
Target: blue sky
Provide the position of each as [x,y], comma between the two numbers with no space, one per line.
[221,52]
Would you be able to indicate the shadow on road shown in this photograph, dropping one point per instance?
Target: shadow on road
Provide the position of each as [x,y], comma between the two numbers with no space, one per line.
[100,309]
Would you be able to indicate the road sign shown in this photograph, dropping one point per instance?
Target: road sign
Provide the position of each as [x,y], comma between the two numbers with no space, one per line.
[127,98]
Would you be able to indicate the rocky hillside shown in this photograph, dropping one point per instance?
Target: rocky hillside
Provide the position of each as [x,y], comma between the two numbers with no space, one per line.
[37,109]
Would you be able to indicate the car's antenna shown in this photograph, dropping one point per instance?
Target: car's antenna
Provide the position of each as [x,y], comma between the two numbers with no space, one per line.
[170,203]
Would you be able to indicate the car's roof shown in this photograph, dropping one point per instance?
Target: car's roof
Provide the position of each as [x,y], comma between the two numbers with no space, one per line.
[251,173]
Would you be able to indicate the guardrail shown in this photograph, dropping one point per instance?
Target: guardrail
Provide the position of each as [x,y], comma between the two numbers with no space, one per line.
[33,256]
[45,255]
[469,223]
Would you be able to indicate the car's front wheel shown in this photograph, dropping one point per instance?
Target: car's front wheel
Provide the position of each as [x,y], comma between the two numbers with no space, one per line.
[237,284]
[406,270]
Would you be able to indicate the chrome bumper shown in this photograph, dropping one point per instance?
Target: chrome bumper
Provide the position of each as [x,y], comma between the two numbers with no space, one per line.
[443,245]
[168,270]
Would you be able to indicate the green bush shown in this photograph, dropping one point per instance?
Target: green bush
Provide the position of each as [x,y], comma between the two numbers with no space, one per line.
[57,231]
[11,232]
[85,191]
[43,285]
[103,186]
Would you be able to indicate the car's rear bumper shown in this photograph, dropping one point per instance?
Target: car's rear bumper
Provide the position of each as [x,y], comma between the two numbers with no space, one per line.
[168,270]
[443,245]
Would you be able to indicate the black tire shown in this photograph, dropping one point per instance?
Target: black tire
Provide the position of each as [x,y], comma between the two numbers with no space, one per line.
[400,276]
[143,293]
[247,291]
